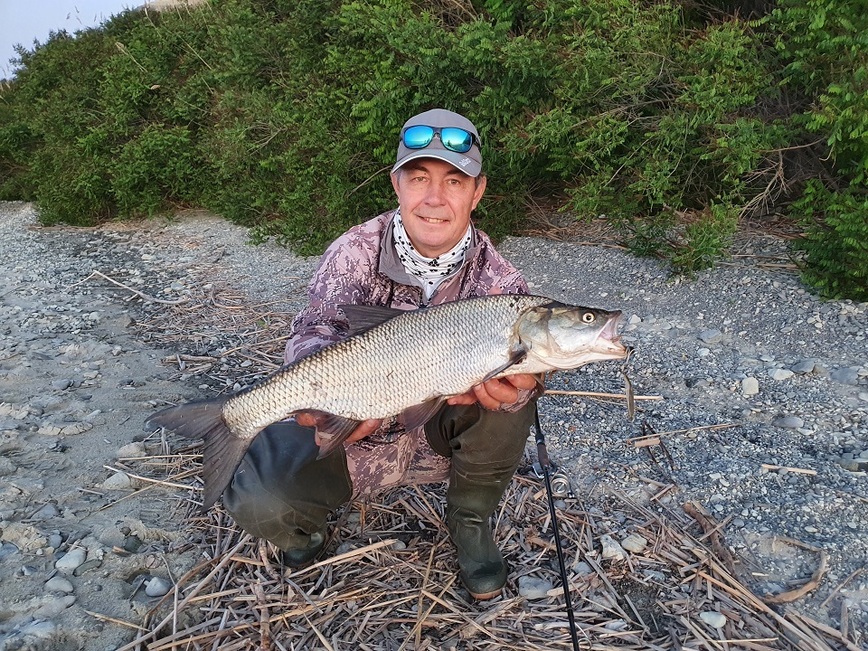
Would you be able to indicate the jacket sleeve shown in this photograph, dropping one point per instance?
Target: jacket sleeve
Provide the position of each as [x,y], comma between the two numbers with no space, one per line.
[343,277]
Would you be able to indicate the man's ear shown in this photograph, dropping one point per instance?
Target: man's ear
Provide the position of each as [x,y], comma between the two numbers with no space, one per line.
[481,182]
[395,179]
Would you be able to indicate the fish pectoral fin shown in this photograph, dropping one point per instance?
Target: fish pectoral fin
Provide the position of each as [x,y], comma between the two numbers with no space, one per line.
[331,430]
[516,356]
[420,414]
[364,317]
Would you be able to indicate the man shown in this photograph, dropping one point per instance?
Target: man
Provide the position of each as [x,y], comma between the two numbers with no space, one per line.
[426,252]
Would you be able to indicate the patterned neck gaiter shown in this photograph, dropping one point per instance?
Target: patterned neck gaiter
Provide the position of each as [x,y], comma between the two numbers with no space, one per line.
[431,271]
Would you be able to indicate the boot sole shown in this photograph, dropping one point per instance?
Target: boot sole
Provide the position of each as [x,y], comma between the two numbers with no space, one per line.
[485,596]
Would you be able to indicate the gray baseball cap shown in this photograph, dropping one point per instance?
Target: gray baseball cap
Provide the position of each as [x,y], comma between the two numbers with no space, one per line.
[469,162]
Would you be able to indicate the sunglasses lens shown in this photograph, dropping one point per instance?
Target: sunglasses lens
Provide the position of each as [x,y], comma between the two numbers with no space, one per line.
[456,139]
[418,137]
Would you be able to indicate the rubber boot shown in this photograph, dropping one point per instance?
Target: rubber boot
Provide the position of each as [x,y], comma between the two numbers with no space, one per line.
[469,505]
[486,448]
[281,492]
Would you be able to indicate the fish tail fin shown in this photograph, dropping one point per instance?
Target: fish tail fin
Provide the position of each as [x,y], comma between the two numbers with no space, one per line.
[222,451]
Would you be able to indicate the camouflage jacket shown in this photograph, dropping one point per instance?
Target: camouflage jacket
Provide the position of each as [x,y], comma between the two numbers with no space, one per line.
[362,268]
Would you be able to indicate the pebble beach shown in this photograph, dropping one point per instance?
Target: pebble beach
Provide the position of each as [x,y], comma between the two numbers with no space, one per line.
[752,390]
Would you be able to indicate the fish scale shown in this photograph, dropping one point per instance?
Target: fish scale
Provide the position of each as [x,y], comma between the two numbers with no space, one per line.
[401,363]
[383,371]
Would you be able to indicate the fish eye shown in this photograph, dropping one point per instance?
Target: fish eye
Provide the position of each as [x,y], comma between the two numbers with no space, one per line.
[588,317]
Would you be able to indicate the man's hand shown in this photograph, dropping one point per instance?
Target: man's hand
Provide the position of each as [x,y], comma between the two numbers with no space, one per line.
[496,393]
[364,429]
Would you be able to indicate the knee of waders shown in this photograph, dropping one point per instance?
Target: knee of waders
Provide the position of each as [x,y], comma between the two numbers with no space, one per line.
[280,483]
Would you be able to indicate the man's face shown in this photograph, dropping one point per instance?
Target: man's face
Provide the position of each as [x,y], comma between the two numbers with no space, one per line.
[436,200]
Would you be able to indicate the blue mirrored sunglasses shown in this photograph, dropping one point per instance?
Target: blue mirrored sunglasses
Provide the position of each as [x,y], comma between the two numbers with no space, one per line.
[453,138]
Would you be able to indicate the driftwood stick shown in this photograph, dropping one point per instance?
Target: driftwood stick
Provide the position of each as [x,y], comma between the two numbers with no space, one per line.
[804,471]
[711,528]
[145,297]
[596,394]
[812,583]
[853,574]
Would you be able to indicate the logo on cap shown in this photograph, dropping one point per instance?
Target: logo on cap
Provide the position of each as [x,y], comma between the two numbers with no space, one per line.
[464,162]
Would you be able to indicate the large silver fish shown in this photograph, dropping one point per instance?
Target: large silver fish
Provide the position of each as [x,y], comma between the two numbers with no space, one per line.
[397,362]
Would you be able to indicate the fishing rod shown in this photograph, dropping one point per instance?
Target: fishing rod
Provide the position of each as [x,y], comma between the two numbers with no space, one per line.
[546,466]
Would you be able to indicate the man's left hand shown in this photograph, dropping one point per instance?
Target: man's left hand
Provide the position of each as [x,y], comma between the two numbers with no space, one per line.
[496,393]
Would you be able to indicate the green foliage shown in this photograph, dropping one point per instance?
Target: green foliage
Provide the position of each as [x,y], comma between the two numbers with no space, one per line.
[673,120]
[824,48]
[836,246]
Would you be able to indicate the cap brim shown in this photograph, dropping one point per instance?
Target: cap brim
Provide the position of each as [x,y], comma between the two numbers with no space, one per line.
[461,162]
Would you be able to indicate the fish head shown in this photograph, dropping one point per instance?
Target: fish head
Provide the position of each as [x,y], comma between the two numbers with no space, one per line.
[559,337]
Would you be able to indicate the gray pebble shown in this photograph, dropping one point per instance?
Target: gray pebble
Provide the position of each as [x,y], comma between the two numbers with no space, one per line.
[344,547]
[7,549]
[713,618]
[58,584]
[157,587]
[788,422]
[61,384]
[531,587]
[749,386]
[582,569]
[712,336]
[71,560]
[47,512]
[780,374]
[53,607]
[848,375]
[805,366]
[41,630]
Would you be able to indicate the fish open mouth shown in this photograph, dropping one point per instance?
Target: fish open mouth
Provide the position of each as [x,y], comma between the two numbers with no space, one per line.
[610,330]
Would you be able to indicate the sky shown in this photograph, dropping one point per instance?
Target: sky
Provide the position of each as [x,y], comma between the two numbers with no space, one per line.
[21,21]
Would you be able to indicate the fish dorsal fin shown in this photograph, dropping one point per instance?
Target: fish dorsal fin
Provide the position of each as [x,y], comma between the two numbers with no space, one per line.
[516,356]
[364,317]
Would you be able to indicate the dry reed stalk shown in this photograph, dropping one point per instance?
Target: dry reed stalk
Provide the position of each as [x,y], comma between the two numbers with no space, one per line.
[376,596]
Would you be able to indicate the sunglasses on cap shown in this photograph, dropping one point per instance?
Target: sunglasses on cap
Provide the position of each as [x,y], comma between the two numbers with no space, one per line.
[453,138]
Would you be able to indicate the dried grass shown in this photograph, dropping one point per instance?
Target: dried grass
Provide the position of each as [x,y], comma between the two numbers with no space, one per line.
[394,585]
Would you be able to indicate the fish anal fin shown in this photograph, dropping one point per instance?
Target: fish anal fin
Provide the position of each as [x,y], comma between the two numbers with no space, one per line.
[516,356]
[364,317]
[418,415]
[331,430]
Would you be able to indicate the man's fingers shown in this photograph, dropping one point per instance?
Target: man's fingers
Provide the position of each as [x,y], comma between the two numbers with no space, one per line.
[305,419]
[366,428]
[524,381]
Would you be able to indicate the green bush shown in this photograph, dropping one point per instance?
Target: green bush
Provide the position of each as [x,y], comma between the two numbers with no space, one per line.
[674,120]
